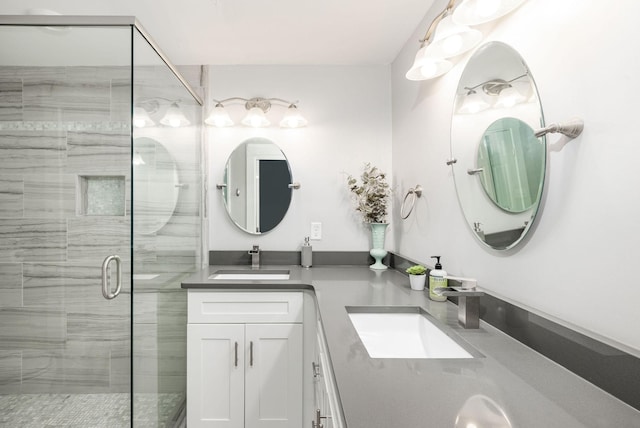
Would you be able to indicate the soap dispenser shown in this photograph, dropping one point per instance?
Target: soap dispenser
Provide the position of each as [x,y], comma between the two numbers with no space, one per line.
[437,279]
[306,254]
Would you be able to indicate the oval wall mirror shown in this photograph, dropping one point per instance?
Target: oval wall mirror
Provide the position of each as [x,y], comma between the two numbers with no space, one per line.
[155,185]
[256,189]
[499,164]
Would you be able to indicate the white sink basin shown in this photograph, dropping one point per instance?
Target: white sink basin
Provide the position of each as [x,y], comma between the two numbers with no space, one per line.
[251,275]
[404,335]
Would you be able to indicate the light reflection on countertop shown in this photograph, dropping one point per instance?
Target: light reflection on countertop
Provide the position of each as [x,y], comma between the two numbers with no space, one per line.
[511,386]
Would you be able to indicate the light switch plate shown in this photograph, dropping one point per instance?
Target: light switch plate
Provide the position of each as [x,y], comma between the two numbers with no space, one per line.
[316,231]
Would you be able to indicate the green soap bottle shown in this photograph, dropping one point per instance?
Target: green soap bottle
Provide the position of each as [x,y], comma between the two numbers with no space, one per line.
[437,279]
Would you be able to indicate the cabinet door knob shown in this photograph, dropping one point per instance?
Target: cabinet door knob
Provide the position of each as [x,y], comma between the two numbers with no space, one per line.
[251,353]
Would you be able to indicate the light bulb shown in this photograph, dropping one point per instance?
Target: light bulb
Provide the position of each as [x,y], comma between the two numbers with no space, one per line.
[473,103]
[292,118]
[256,118]
[174,117]
[486,8]
[137,159]
[452,44]
[428,69]
[451,39]
[509,97]
[141,118]
[219,117]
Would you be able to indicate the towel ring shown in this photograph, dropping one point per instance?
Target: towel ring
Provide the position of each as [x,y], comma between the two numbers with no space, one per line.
[415,193]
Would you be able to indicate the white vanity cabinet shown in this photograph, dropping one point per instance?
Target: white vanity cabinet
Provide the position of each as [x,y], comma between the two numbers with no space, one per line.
[327,411]
[244,359]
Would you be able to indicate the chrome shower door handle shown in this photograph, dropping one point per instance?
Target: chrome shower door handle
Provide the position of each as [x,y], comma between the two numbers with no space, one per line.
[106,286]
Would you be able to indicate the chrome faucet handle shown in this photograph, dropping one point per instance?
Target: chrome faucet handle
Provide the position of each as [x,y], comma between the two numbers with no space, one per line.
[458,291]
[255,257]
[468,304]
[465,283]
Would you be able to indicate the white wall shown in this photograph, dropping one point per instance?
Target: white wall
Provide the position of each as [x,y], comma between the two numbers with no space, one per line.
[349,114]
[579,265]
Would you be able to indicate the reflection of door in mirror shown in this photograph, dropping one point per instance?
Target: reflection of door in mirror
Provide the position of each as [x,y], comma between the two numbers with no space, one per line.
[257,153]
[257,194]
[236,181]
[512,162]
[274,192]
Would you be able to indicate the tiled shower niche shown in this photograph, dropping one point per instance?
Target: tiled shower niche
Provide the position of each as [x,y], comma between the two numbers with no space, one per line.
[101,195]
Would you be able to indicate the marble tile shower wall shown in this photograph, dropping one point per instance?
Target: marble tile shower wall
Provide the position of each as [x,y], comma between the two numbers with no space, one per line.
[57,332]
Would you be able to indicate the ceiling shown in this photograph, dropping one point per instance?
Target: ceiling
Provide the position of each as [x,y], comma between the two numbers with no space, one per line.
[284,32]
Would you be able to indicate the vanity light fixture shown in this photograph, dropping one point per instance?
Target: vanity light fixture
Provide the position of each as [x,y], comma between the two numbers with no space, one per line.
[504,91]
[452,39]
[219,117]
[256,116]
[452,36]
[141,118]
[137,159]
[145,108]
[473,103]
[476,12]
[509,97]
[292,118]
[174,117]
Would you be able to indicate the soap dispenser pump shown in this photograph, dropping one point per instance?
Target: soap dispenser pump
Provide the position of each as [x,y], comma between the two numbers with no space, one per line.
[306,254]
[437,279]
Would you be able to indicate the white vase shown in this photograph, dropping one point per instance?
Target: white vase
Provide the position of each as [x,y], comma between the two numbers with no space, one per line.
[377,239]
[417,282]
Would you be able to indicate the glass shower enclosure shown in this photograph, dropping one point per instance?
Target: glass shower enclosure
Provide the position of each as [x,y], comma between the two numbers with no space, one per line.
[100,219]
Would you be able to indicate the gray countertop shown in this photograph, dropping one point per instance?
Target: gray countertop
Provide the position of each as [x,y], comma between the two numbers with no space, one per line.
[510,381]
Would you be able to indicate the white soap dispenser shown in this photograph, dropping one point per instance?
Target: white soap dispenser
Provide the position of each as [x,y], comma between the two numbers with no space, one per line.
[437,279]
[306,254]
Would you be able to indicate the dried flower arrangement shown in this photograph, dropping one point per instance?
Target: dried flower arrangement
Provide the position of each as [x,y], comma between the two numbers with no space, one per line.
[371,195]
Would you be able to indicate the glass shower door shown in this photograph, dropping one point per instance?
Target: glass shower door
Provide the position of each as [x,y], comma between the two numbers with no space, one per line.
[65,159]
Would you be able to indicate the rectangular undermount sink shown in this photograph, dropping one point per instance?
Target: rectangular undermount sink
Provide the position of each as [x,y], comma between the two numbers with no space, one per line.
[251,275]
[403,332]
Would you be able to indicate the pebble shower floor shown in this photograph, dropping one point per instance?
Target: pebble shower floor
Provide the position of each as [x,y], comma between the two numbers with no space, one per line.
[87,410]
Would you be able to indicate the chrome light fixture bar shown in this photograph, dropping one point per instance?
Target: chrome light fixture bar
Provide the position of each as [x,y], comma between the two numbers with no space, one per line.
[256,115]
[507,95]
[452,35]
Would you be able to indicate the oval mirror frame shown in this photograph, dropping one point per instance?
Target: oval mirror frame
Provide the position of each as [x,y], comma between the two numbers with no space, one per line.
[256,190]
[497,106]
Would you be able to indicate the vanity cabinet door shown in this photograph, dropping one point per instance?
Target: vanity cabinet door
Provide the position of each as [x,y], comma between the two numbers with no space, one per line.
[273,375]
[215,378]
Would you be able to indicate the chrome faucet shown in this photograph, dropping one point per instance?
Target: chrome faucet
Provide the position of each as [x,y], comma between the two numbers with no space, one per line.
[255,257]
[468,300]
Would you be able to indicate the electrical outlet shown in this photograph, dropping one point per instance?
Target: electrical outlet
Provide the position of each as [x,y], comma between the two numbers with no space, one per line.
[316,231]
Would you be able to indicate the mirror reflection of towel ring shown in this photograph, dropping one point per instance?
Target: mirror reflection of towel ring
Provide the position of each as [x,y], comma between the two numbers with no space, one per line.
[414,193]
